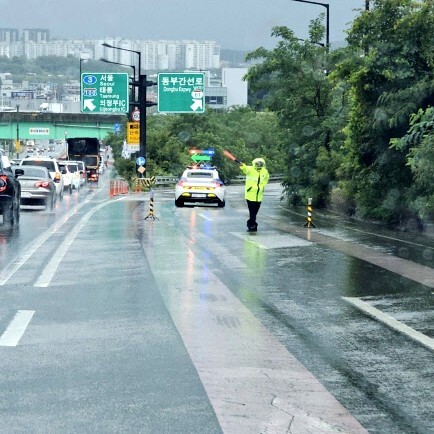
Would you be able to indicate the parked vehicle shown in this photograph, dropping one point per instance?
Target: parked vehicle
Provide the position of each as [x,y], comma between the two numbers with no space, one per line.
[10,192]
[53,168]
[37,187]
[86,149]
[51,107]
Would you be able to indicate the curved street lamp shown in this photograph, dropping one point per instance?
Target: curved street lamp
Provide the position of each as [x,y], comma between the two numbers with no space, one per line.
[102,59]
[105,44]
[326,5]
[79,79]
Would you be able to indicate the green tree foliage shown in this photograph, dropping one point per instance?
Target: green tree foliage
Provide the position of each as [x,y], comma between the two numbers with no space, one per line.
[292,79]
[391,77]
[418,144]
[242,131]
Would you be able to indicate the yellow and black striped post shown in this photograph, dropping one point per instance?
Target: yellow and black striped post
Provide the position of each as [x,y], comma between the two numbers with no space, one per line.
[151,215]
[309,222]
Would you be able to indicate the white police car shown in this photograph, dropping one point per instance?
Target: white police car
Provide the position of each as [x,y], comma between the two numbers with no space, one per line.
[200,184]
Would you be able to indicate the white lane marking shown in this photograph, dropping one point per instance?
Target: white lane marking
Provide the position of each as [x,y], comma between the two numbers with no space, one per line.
[391,322]
[48,272]
[16,328]
[369,233]
[31,249]
[205,217]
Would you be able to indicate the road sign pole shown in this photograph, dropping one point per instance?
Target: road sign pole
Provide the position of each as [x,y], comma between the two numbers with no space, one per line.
[142,108]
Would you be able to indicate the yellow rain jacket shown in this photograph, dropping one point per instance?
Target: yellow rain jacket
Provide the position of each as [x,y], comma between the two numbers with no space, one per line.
[256,180]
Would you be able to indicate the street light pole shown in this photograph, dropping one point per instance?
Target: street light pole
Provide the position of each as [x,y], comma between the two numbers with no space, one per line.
[105,44]
[327,6]
[81,82]
[142,99]
[133,83]
[17,144]
[142,84]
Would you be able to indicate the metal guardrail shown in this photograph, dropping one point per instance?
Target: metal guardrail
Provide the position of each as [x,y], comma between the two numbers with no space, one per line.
[166,180]
[171,180]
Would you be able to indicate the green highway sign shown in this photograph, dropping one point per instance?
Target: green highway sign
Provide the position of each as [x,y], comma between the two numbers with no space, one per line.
[181,92]
[104,92]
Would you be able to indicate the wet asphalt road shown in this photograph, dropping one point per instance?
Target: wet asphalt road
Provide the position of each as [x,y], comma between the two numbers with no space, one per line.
[141,325]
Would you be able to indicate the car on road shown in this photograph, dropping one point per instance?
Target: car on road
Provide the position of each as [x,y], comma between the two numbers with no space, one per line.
[75,174]
[10,192]
[200,184]
[53,168]
[37,187]
[66,175]
[82,171]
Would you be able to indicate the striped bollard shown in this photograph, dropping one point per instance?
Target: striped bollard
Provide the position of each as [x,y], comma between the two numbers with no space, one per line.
[151,207]
[309,222]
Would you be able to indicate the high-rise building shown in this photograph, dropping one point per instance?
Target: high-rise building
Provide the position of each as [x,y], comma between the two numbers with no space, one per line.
[154,55]
[9,35]
[36,35]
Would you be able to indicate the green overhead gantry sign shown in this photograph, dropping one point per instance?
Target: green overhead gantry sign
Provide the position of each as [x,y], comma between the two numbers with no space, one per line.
[104,93]
[181,92]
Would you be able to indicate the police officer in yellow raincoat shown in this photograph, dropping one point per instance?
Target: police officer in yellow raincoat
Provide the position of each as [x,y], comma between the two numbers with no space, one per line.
[257,177]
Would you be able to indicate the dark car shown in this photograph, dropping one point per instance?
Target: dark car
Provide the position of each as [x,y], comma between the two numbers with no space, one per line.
[37,186]
[10,192]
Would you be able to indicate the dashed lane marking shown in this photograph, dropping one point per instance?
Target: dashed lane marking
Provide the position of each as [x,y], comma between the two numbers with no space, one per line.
[391,322]
[48,272]
[33,247]
[16,328]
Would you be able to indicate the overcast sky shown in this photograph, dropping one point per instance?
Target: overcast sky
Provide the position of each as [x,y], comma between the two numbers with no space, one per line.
[234,24]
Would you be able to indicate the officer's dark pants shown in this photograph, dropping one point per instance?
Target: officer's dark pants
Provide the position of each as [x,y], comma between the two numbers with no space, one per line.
[253,211]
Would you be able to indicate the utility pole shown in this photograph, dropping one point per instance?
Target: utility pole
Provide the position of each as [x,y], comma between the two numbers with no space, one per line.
[17,144]
[142,83]
[143,104]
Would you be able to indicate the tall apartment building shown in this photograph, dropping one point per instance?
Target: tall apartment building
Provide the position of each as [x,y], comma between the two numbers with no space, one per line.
[155,55]
[205,55]
[9,35]
[35,35]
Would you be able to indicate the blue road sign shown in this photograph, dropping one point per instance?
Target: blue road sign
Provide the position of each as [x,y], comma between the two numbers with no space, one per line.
[141,161]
